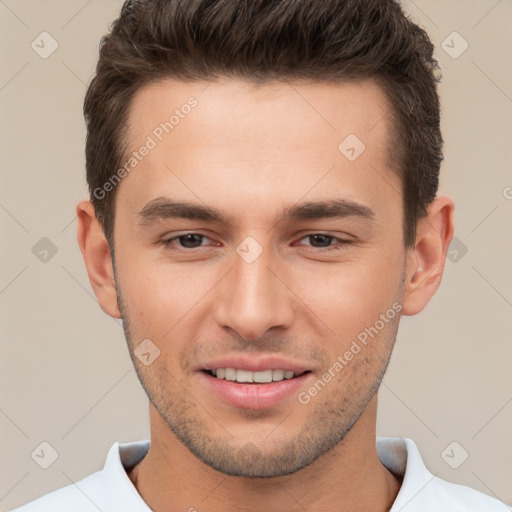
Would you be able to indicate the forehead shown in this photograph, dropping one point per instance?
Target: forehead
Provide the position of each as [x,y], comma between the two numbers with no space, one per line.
[265,110]
[230,139]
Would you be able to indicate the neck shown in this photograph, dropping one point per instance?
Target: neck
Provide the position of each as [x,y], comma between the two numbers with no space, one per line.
[170,478]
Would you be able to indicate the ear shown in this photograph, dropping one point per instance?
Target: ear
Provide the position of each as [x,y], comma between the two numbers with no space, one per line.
[97,258]
[426,260]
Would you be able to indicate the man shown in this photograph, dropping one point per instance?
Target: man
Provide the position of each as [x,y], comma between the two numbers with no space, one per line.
[263,209]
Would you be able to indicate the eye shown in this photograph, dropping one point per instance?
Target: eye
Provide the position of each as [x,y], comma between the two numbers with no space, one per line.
[321,241]
[186,241]
[325,240]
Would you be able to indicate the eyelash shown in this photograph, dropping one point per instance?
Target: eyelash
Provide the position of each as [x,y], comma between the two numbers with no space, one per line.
[339,246]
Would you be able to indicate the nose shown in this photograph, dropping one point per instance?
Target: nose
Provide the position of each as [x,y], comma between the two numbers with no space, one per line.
[254,297]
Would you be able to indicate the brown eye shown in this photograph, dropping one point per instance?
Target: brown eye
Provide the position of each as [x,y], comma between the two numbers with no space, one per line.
[191,240]
[323,242]
[185,241]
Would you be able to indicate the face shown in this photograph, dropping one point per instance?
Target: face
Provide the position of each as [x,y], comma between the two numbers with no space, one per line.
[254,241]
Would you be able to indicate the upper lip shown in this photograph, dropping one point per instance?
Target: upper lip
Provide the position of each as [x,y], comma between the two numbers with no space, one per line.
[256,363]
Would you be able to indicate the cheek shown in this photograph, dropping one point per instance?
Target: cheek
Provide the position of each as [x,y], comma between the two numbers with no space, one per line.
[163,297]
[353,295]
[158,295]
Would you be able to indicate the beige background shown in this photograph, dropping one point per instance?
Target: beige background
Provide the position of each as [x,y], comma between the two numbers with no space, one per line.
[66,377]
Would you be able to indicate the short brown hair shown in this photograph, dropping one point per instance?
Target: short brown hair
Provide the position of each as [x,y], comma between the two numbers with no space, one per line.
[260,41]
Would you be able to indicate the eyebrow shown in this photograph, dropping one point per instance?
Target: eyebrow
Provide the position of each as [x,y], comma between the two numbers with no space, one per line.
[162,208]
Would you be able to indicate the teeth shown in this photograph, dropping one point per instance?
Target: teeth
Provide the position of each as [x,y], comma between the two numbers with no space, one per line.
[244,376]
[230,374]
[278,375]
[261,377]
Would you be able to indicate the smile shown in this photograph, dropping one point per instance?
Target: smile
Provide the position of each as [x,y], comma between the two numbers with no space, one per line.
[259,377]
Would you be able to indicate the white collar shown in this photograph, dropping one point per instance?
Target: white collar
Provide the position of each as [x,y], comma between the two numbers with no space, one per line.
[420,489]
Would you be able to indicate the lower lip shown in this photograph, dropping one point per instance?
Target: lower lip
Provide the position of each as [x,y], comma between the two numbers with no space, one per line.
[254,396]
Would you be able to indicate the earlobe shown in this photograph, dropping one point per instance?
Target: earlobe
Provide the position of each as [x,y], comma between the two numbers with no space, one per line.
[96,253]
[426,260]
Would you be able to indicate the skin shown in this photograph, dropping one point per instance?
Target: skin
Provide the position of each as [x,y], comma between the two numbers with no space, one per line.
[251,151]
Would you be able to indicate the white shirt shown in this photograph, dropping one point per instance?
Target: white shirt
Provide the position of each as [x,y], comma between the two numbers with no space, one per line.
[111,490]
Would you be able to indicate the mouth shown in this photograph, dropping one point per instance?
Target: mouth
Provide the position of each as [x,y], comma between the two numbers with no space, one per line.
[254,389]
[255,381]
[254,377]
